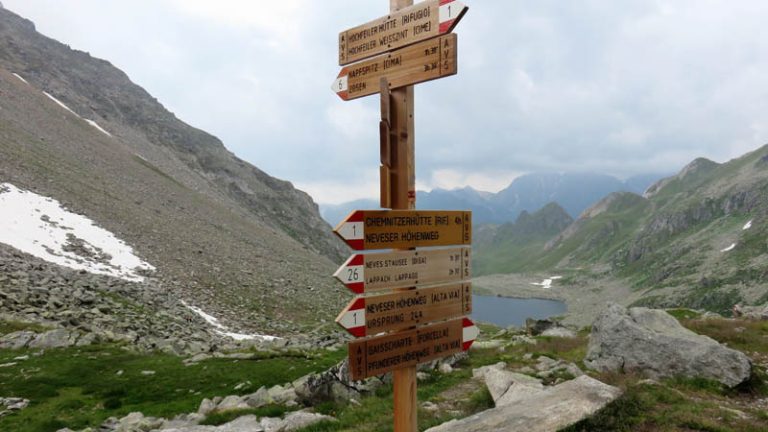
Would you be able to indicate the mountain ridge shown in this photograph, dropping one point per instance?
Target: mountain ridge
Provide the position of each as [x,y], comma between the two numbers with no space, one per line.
[222,233]
[695,239]
[530,192]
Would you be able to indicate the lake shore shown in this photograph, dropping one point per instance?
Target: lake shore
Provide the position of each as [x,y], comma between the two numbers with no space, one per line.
[584,299]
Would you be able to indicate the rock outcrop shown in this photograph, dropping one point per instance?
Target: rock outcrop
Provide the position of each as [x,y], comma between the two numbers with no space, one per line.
[9,405]
[523,403]
[137,422]
[653,343]
[333,385]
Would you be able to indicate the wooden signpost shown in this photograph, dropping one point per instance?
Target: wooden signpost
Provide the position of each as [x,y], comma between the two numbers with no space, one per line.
[418,320]
[424,61]
[402,27]
[366,316]
[366,273]
[382,354]
[402,229]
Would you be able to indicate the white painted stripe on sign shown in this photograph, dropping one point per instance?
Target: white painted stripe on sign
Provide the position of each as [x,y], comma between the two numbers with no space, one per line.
[350,274]
[470,333]
[351,231]
[353,318]
[341,84]
[450,11]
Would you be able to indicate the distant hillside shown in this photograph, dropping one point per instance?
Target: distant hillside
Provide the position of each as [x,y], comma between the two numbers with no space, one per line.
[222,233]
[696,239]
[508,247]
[574,192]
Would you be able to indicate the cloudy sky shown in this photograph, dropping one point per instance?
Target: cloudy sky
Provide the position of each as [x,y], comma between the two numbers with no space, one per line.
[619,87]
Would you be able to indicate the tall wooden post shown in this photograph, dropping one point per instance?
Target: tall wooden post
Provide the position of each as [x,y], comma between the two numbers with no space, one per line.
[402,195]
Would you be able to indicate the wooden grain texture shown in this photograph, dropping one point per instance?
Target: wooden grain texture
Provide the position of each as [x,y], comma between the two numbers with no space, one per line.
[400,28]
[403,229]
[422,62]
[402,310]
[372,272]
[382,354]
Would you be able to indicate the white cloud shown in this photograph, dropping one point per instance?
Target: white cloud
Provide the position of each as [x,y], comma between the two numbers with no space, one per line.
[621,87]
[355,122]
[281,22]
[488,181]
[365,186]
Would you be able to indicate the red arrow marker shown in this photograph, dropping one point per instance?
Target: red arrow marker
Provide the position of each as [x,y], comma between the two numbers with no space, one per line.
[352,273]
[470,333]
[353,318]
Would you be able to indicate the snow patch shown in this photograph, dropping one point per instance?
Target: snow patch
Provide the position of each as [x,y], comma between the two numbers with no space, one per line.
[99,128]
[729,248]
[40,226]
[747,226]
[22,79]
[60,103]
[223,330]
[547,283]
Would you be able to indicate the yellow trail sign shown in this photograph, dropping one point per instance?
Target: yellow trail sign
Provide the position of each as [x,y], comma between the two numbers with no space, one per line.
[404,229]
[365,273]
[382,354]
[424,61]
[407,26]
[365,316]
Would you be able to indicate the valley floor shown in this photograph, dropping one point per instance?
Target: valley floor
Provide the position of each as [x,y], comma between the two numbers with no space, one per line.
[81,386]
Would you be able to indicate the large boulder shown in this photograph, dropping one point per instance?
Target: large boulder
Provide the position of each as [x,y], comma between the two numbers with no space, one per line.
[17,340]
[500,381]
[250,423]
[58,338]
[332,385]
[529,406]
[547,327]
[751,312]
[653,343]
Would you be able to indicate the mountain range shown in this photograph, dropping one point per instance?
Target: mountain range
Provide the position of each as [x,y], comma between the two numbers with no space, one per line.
[697,238]
[575,192]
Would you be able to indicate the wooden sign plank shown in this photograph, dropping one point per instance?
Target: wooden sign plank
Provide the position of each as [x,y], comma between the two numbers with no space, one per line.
[425,61]
[365,273]
[382,354]
[405,229]
[407,26]
[366,316]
